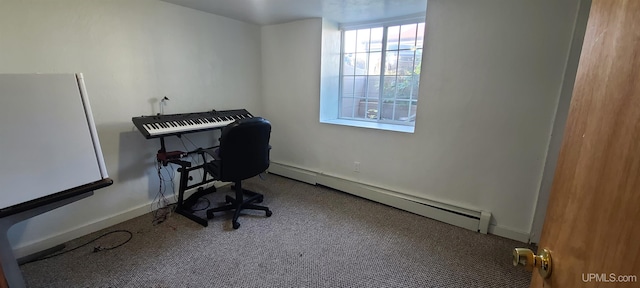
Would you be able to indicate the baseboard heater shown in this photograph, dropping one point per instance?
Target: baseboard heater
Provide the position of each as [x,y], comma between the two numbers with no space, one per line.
[471,219]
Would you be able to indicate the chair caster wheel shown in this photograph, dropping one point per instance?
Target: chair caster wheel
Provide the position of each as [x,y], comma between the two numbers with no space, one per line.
[228,199]
[209,214]
[236,225]
[269,213]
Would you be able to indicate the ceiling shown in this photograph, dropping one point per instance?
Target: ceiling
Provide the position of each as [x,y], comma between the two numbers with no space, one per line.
[267,12]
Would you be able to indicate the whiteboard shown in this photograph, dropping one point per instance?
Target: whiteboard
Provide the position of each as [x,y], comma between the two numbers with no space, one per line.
[48,140]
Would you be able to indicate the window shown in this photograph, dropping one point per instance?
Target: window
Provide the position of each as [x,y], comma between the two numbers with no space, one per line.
[380,73]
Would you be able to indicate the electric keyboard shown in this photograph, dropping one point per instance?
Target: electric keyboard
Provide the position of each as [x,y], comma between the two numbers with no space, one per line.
[176,124]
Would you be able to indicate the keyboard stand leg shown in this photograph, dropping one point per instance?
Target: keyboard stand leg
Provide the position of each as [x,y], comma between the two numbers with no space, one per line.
[192,217]
[183,206]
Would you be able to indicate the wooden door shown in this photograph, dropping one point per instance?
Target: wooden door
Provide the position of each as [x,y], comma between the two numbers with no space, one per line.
[592,226]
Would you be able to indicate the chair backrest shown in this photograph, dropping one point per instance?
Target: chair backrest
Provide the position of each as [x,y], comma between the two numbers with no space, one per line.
[244,149]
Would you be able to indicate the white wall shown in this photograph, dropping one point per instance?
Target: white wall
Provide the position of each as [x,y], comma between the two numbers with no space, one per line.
[492,74]
[560,119]
[132,53]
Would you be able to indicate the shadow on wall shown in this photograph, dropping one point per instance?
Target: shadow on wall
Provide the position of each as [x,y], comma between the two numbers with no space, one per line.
[135,155]
[136,158]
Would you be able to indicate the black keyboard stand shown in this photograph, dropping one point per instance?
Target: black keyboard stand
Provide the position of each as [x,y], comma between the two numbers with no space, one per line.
[184,206]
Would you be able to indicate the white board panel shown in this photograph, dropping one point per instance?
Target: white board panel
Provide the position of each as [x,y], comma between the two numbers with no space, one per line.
[45,137]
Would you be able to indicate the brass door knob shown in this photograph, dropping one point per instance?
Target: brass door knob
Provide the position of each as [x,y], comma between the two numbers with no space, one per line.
[526,258]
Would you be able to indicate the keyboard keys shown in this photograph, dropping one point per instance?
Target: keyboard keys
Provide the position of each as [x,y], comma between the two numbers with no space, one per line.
[185,123]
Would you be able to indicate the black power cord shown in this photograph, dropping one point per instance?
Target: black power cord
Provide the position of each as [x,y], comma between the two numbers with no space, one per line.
[204,208]
[162,211]
[95,249]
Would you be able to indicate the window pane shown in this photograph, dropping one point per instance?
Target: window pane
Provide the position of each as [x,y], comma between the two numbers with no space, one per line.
[404,111]
[387,110]
[350,41]
[389,90]
[407,48]
[347,108]
[361,63]
[370,109]
[347,86]
[364,108]
[393,33]
[373,87]
[360,108]
[416,74]
[375,58]
[408,36]
[416,89]
[376,39]
[391,65]
[363,40]
[398,111]
[420,35]
[403,87]
[405,62]
[418,62]
[348,64]
[360,86]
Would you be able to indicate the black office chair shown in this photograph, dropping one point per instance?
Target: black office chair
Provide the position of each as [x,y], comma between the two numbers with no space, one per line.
[243,153]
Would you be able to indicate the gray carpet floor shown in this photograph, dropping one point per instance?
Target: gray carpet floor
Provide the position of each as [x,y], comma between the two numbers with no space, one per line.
[317,237]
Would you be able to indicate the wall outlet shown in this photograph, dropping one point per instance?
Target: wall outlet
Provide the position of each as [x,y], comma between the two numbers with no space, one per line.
[356,166]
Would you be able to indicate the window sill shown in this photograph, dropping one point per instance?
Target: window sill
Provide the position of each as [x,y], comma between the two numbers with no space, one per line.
[371,125]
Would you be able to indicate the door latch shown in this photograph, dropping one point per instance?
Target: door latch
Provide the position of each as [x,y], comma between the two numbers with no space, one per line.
[526,258]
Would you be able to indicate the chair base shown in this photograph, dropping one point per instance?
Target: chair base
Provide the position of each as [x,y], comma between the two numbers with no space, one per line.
[240,203]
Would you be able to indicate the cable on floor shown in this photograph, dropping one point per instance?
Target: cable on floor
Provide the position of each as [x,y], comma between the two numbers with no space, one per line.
[95,249]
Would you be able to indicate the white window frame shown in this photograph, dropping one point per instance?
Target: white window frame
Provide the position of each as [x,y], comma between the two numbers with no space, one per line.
[378,123]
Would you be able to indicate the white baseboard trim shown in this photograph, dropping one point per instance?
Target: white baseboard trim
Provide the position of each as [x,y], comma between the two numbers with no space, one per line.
[292,172]
[472,219]
[31,247]
[35,246]
[509,233]
[391,198]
